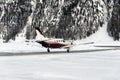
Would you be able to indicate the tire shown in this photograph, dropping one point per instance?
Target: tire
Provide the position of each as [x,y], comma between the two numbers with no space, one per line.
[68,50]
[48,50]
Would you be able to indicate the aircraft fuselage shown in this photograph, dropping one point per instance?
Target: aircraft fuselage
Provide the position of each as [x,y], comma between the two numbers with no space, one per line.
[51,44]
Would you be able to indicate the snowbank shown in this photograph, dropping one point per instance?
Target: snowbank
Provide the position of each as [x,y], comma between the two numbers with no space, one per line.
[100,36]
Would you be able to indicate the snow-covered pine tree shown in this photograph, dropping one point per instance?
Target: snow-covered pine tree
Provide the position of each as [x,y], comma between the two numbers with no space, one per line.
[68,19]
[114,22]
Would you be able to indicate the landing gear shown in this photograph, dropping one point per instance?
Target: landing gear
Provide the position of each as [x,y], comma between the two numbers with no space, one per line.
[68,49]
[48,50]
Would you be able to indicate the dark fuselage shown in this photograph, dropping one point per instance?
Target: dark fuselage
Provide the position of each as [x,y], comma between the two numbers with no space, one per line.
[51,44]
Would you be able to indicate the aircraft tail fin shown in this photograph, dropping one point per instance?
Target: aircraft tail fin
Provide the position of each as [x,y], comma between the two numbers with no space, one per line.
[40,35]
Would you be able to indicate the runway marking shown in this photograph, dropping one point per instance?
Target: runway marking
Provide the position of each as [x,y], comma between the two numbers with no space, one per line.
[54,52]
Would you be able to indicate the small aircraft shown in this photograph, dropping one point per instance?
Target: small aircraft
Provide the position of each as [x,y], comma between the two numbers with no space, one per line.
[51,43]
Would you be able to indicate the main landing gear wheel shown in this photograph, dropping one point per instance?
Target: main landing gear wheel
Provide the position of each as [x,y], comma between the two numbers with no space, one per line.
[48,50]
[68,50]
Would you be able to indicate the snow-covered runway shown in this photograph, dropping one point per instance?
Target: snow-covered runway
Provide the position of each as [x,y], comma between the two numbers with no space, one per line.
[53,52]
[30,61]
[104,65]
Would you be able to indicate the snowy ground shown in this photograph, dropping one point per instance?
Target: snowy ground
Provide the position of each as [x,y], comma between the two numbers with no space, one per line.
[103,65]
[25,47]
[100,38]
[99,65]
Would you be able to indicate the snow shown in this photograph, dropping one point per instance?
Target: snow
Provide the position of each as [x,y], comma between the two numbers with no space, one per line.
[83,66]
[99,65]
[9,1]
[21,36]
[3,12]
[21,46]
[100,38]
[89,65]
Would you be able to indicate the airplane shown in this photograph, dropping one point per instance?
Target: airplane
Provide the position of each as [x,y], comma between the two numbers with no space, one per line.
[51,42]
